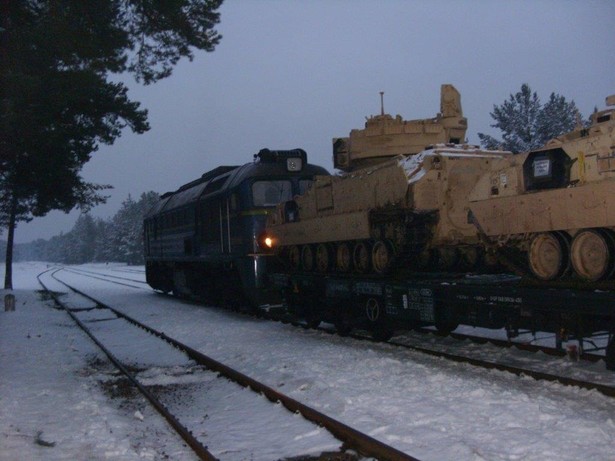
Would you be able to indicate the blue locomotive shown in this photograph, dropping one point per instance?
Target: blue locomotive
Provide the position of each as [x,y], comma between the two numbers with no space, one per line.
[207,239]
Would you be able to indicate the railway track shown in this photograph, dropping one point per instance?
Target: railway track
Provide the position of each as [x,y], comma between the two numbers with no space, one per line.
[504,364]
[134,283]
[435,348]
[349,438]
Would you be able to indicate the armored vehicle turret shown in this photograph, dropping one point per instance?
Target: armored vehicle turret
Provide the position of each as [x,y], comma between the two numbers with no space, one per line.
[385,136]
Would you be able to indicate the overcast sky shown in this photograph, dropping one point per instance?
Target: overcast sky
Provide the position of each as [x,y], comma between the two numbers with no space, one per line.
[298,73]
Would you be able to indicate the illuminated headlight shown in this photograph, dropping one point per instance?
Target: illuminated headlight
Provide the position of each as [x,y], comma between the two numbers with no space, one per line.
[265,242]
[294,164]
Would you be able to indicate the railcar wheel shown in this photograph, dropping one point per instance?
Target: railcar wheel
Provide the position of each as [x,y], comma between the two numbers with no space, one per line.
[383,254]
[610,355]
[324,257]
[343,257]
[592,254]
[375,314]
[362,257]
[294,257]
[307,258]
[343,324]
[548,256]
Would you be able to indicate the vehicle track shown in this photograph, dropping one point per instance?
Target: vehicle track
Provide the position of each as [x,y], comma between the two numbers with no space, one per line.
[349,437]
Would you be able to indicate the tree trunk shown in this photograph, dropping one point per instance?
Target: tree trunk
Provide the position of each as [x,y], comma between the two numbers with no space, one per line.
[8,270]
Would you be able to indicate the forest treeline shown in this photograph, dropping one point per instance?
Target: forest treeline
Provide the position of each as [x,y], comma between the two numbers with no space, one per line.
[118,239]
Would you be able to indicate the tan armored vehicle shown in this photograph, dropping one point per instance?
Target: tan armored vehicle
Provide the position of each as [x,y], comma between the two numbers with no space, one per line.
[411,210]
[556,205]
[385,137]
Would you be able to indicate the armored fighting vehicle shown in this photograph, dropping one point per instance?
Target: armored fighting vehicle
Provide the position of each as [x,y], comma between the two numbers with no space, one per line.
[555,206]
[407,206]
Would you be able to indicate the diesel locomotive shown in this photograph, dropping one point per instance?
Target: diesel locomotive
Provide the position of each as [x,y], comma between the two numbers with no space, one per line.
[206,239]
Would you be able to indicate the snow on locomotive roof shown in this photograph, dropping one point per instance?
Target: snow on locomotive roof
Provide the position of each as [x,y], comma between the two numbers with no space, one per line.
[266,163]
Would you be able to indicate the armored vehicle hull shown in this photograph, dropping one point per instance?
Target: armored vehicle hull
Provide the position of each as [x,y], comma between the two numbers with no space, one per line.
[411,210]
[554,208]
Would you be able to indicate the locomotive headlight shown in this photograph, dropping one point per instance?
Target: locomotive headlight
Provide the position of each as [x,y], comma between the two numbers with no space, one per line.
[294,164]
[265,241]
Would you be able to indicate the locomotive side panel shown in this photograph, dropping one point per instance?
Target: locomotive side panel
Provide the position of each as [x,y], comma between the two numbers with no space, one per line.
[207,238]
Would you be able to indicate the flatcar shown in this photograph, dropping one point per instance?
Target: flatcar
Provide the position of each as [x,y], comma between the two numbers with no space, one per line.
[206,239]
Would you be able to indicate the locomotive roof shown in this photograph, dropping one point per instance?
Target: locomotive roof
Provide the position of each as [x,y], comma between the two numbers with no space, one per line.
[223,178]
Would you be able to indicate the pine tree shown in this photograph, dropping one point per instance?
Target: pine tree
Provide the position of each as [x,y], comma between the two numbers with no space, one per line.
[57,104]
[526,124]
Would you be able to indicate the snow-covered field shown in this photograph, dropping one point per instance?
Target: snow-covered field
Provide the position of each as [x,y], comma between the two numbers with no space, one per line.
[52,391]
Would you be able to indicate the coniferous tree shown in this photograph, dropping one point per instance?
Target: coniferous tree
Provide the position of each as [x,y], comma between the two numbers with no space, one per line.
[527,124]
[56,103]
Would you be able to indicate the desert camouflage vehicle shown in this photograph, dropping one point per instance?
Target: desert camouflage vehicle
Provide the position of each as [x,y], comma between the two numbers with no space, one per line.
[556,205]
[409,207]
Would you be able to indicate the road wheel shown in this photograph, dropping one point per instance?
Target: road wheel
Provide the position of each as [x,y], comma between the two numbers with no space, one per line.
[592,254]
[307,258]
[324,257]
[294,257]
[548,256]
[343,257]
[447,258]
[362,257]
[382,256]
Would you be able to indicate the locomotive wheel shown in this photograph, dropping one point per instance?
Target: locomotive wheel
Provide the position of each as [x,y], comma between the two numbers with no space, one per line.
[592,254]
[548,256]
[324,258]
[294,257]
[343,258]
[382,256]
[307,258]
[362,257]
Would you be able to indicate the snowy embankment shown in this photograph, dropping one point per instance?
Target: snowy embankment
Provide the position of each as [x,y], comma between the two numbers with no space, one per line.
[427,407]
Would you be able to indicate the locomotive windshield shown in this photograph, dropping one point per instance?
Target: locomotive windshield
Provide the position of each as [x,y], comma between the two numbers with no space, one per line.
[270,193]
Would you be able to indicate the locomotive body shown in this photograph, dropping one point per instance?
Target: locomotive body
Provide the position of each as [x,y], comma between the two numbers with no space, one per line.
[205,239]
[555,206]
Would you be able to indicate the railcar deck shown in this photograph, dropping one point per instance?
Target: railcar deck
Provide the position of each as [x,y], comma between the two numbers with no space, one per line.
[487,301]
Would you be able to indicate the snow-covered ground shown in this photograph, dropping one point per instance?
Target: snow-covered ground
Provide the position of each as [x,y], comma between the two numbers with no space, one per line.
[52,390]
